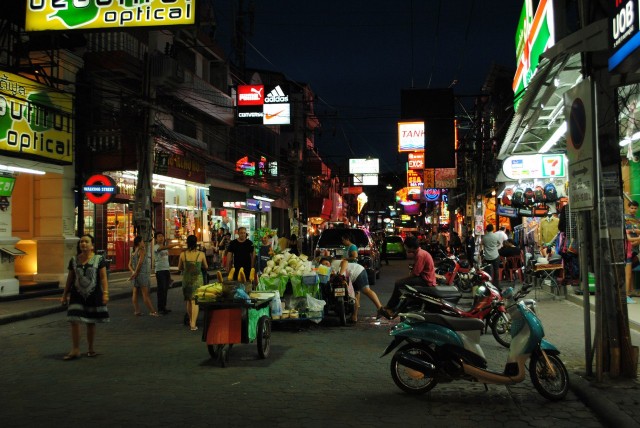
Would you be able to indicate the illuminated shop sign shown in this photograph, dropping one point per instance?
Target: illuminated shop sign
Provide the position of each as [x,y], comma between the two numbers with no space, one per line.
[534,166]
[249,168]
[84,14]
[6,185]
[534,35]
[257,205]
[35,121]
[414,178]
[416,160]
[99,189]
[624,38]
[411,136]
[261,104]
[364,166]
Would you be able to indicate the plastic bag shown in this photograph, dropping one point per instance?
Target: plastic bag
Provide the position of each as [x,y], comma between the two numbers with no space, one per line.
[276,305]
[241,295]
[314,305]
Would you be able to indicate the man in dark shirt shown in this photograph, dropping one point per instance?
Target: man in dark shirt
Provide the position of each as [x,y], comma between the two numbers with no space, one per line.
[241,254]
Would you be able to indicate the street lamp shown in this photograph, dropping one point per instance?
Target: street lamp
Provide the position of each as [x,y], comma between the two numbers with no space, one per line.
[389,187]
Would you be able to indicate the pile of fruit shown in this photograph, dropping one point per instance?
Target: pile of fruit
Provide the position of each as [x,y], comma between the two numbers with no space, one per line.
[287,264]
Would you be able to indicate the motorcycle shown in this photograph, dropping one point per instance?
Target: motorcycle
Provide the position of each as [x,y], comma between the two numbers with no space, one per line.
[442,348]
[444,300]
[340,297]
[457,272]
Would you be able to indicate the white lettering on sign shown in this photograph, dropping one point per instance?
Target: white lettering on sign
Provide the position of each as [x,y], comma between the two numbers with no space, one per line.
[623,24]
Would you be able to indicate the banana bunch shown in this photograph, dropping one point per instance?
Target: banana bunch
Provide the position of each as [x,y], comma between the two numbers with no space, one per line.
[209,292]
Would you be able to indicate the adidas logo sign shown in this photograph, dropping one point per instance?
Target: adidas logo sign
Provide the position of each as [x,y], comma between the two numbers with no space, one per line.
[276,96]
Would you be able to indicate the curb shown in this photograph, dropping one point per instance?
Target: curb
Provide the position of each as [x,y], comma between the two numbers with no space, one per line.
[607,411]
[577,299]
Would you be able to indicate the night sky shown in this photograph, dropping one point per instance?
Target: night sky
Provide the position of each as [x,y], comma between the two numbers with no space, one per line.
[357,56]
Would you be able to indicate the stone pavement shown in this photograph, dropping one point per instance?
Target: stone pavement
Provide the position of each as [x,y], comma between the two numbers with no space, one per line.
[616,402]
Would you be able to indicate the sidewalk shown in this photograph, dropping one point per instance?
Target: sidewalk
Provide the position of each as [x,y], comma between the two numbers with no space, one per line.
[21,309]
[616,402]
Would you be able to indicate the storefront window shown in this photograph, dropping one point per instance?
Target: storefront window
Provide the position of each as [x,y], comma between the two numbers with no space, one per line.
[247,220]
[119,234]
[89,218]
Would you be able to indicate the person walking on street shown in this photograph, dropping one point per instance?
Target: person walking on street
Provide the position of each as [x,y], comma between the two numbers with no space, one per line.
[140,267]
[163,272]
[491,243]
[241,254]
[87,293]
[423,274]
[191,263]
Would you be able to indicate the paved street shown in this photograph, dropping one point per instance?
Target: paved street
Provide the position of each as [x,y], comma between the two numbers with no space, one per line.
[154,371]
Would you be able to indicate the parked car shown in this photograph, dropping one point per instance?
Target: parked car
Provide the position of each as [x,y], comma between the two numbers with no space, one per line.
[330,244]
[395,247]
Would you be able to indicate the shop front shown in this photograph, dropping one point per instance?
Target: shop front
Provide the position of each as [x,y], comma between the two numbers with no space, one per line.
[36,176]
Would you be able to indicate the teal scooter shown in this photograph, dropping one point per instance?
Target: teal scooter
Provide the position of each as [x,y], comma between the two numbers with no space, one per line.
[441,348]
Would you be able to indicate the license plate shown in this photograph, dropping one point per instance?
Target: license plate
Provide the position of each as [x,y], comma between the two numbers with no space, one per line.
[338,292]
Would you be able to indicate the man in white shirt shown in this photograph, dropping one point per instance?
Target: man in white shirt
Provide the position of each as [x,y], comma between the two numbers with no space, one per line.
[502,236]
[490,245]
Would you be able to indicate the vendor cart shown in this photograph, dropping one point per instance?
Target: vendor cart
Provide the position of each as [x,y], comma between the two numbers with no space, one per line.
[227,322]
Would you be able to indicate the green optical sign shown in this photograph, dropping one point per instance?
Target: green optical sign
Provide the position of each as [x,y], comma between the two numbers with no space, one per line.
[44,15]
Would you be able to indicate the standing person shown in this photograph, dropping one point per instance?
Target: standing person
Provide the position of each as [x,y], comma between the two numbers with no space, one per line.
[264,253]
[350,249]
[163,272]
[490,244]
[140,278]
[423,274]
[293,245]
[632,229]
[470,246]
[191,263]
[241,254]
[222,247]
[87,293]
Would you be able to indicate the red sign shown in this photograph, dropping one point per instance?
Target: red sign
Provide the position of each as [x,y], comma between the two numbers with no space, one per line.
[352,190]
[250,95]
[99,189]
[416,160]
[414,178]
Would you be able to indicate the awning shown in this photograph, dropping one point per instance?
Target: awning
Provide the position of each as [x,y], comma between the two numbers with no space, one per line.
[541,111]
[11,251]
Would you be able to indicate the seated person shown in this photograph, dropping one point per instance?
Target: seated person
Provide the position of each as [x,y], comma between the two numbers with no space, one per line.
[509,249]
[423,274]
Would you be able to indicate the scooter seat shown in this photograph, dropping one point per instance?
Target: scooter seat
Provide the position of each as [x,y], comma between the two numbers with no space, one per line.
[448,292]
[456,324]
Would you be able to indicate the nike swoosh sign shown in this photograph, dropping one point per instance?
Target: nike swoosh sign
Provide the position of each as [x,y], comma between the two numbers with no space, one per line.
[271,116]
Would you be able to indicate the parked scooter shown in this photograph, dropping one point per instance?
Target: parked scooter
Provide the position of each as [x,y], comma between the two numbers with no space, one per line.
[443,300]
[441,348]
[457,271]
[340,297]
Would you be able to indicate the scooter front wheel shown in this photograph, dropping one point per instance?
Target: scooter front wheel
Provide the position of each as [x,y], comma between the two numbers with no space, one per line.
[410,368]
[550,379]
[501,328]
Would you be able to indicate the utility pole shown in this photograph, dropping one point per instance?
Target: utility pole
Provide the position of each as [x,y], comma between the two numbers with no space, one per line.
[142,204]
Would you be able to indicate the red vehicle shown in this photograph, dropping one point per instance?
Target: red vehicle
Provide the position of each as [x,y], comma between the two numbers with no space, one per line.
[487,304]
[457,272]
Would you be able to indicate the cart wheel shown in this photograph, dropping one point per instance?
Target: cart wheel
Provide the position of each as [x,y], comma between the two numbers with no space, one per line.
[340,309]
[264,336]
